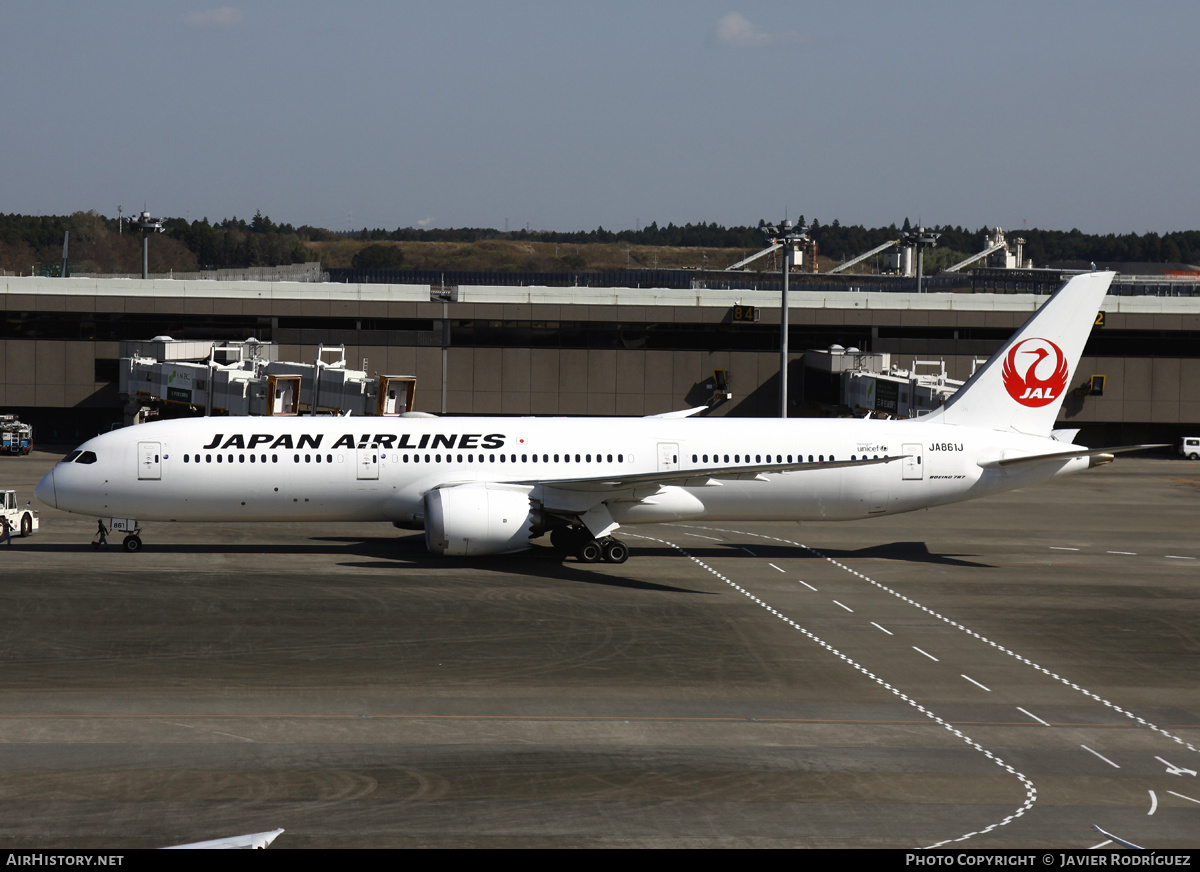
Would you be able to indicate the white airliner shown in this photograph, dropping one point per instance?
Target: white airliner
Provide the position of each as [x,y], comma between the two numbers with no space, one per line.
[490,485]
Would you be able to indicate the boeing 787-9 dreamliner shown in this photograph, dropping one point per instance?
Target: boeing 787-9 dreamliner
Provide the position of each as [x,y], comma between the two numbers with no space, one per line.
[491,485]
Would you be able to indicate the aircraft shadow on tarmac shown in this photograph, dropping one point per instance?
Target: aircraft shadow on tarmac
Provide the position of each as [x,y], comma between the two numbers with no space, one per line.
[410,551]
[907,552]
[544,562]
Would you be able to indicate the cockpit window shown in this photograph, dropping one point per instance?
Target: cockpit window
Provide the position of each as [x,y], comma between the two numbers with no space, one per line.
[86,457]
[71,457]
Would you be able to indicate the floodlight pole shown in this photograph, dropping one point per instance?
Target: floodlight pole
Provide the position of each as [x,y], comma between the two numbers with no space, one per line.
[789,237]
[147,224]
[920,239]
[783,332]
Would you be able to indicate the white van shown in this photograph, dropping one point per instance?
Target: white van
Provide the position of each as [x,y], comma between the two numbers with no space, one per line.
[1190,447]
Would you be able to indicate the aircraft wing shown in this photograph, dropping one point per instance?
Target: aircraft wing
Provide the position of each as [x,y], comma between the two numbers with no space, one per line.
[1118,839]
[1078,451]
[680,413]
[699,477]
[252,840]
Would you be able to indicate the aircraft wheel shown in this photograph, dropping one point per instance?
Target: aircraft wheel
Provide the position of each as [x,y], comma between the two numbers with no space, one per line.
[132,544]
[615,551]
[26,525]
[590,551]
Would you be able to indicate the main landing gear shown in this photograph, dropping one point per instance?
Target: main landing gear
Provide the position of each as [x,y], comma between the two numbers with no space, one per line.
[578,541]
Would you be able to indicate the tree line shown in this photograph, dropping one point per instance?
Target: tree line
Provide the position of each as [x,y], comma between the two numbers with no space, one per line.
[97,245]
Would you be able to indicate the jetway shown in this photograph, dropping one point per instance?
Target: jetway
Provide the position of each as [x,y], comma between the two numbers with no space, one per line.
[245,378]
[870,383]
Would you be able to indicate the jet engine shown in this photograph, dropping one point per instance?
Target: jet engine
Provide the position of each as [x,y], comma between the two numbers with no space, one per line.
[479,518]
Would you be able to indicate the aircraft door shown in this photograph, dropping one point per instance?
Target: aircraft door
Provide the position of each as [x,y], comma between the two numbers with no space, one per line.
[668,456]
[368,464]
[149,461]
[914,470]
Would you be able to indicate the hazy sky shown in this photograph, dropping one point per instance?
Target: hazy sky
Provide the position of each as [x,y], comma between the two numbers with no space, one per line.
[568,115]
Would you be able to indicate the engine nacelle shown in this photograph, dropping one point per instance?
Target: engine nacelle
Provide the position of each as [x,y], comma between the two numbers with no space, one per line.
[473,519]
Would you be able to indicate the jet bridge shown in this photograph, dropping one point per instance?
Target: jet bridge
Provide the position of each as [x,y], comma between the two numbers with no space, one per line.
[871,384]
[245,378]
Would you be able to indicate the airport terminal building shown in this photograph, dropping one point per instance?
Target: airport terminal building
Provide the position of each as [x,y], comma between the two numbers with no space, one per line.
[505,350]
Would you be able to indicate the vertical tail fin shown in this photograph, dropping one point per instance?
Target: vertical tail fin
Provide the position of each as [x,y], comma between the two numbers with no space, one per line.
[1022,386]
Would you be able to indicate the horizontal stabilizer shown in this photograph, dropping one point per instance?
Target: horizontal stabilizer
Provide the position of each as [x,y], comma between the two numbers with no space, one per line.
[1079,451]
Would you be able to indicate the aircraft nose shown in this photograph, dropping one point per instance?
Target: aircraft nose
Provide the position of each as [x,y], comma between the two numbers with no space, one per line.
[45,490]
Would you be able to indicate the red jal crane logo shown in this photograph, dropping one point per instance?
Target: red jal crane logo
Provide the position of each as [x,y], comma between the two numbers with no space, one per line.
[1035,372]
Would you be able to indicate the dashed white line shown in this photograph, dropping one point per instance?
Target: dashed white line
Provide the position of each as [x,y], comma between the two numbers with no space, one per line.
[1178,557]
[806,584]
[1030,790]
[1032,715]
[984,639]
[773,566]
[1101,756]
[1130,553]
[1062,548]
[710,538]
[748,551]
[926,653]
[847,608]
[1153,804]
[976,683]
[885,629]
